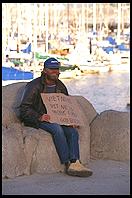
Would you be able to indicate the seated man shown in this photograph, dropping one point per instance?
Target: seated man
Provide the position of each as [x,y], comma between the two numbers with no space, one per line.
[34,114]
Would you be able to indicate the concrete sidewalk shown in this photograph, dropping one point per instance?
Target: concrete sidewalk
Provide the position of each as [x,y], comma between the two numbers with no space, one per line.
[109,178]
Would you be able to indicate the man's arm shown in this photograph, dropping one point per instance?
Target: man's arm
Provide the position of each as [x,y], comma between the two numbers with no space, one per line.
[27,111]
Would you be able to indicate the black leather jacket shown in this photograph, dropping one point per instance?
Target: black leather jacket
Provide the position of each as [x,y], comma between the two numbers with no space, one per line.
[32,106]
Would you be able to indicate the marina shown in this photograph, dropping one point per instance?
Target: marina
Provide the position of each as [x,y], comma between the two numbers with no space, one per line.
[90,40]
[88,116]
[75,34]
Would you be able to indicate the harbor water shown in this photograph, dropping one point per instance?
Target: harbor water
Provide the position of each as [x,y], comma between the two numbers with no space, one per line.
[106,91]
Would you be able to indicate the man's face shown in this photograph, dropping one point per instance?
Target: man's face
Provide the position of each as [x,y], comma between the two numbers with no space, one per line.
[52,74]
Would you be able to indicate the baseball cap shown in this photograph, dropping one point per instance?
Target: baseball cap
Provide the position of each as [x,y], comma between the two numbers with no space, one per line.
[51,63]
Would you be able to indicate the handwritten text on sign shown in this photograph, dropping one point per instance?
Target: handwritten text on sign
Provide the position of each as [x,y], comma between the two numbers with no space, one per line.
[62,109]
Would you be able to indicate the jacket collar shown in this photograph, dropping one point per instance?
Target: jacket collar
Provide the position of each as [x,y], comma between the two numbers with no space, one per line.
[43,79]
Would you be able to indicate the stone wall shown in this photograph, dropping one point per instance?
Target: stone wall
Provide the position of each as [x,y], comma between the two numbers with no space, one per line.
[26,150]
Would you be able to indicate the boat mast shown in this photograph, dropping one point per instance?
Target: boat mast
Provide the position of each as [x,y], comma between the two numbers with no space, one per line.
[119,22]
[87,17]
[75,15]
[106,16]
[94,16]
[46,25]
[5,30]
[18,26]
[79,23]
[83,17]
[34,35]
[30,28]
[67,18]
[55,18]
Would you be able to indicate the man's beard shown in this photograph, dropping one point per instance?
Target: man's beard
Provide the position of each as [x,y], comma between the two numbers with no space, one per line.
[53,77]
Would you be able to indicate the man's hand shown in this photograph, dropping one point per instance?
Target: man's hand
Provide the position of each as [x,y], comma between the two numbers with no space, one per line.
[45,117]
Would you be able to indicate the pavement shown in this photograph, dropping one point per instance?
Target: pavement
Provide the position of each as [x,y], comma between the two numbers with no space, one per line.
[109,178]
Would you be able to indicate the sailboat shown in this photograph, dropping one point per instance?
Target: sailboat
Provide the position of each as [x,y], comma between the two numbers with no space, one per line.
[12,68]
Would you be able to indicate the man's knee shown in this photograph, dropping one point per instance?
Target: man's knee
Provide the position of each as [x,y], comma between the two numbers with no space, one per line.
[58,130]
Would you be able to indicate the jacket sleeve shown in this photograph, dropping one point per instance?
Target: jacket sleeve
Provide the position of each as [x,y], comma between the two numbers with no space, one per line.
[65,91]
[27,112]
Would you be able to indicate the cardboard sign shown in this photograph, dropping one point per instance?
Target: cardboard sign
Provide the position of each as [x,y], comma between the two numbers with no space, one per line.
[62,109]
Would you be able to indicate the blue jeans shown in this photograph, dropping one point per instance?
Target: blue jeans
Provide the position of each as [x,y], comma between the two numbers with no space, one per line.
[65,139]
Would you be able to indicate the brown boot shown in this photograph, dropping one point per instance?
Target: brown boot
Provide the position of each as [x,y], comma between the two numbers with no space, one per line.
[77,169]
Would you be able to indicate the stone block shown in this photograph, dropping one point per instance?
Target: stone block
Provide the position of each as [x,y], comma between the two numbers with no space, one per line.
[110,136]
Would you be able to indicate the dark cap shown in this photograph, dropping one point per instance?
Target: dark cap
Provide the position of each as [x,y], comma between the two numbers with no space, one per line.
[52,63]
